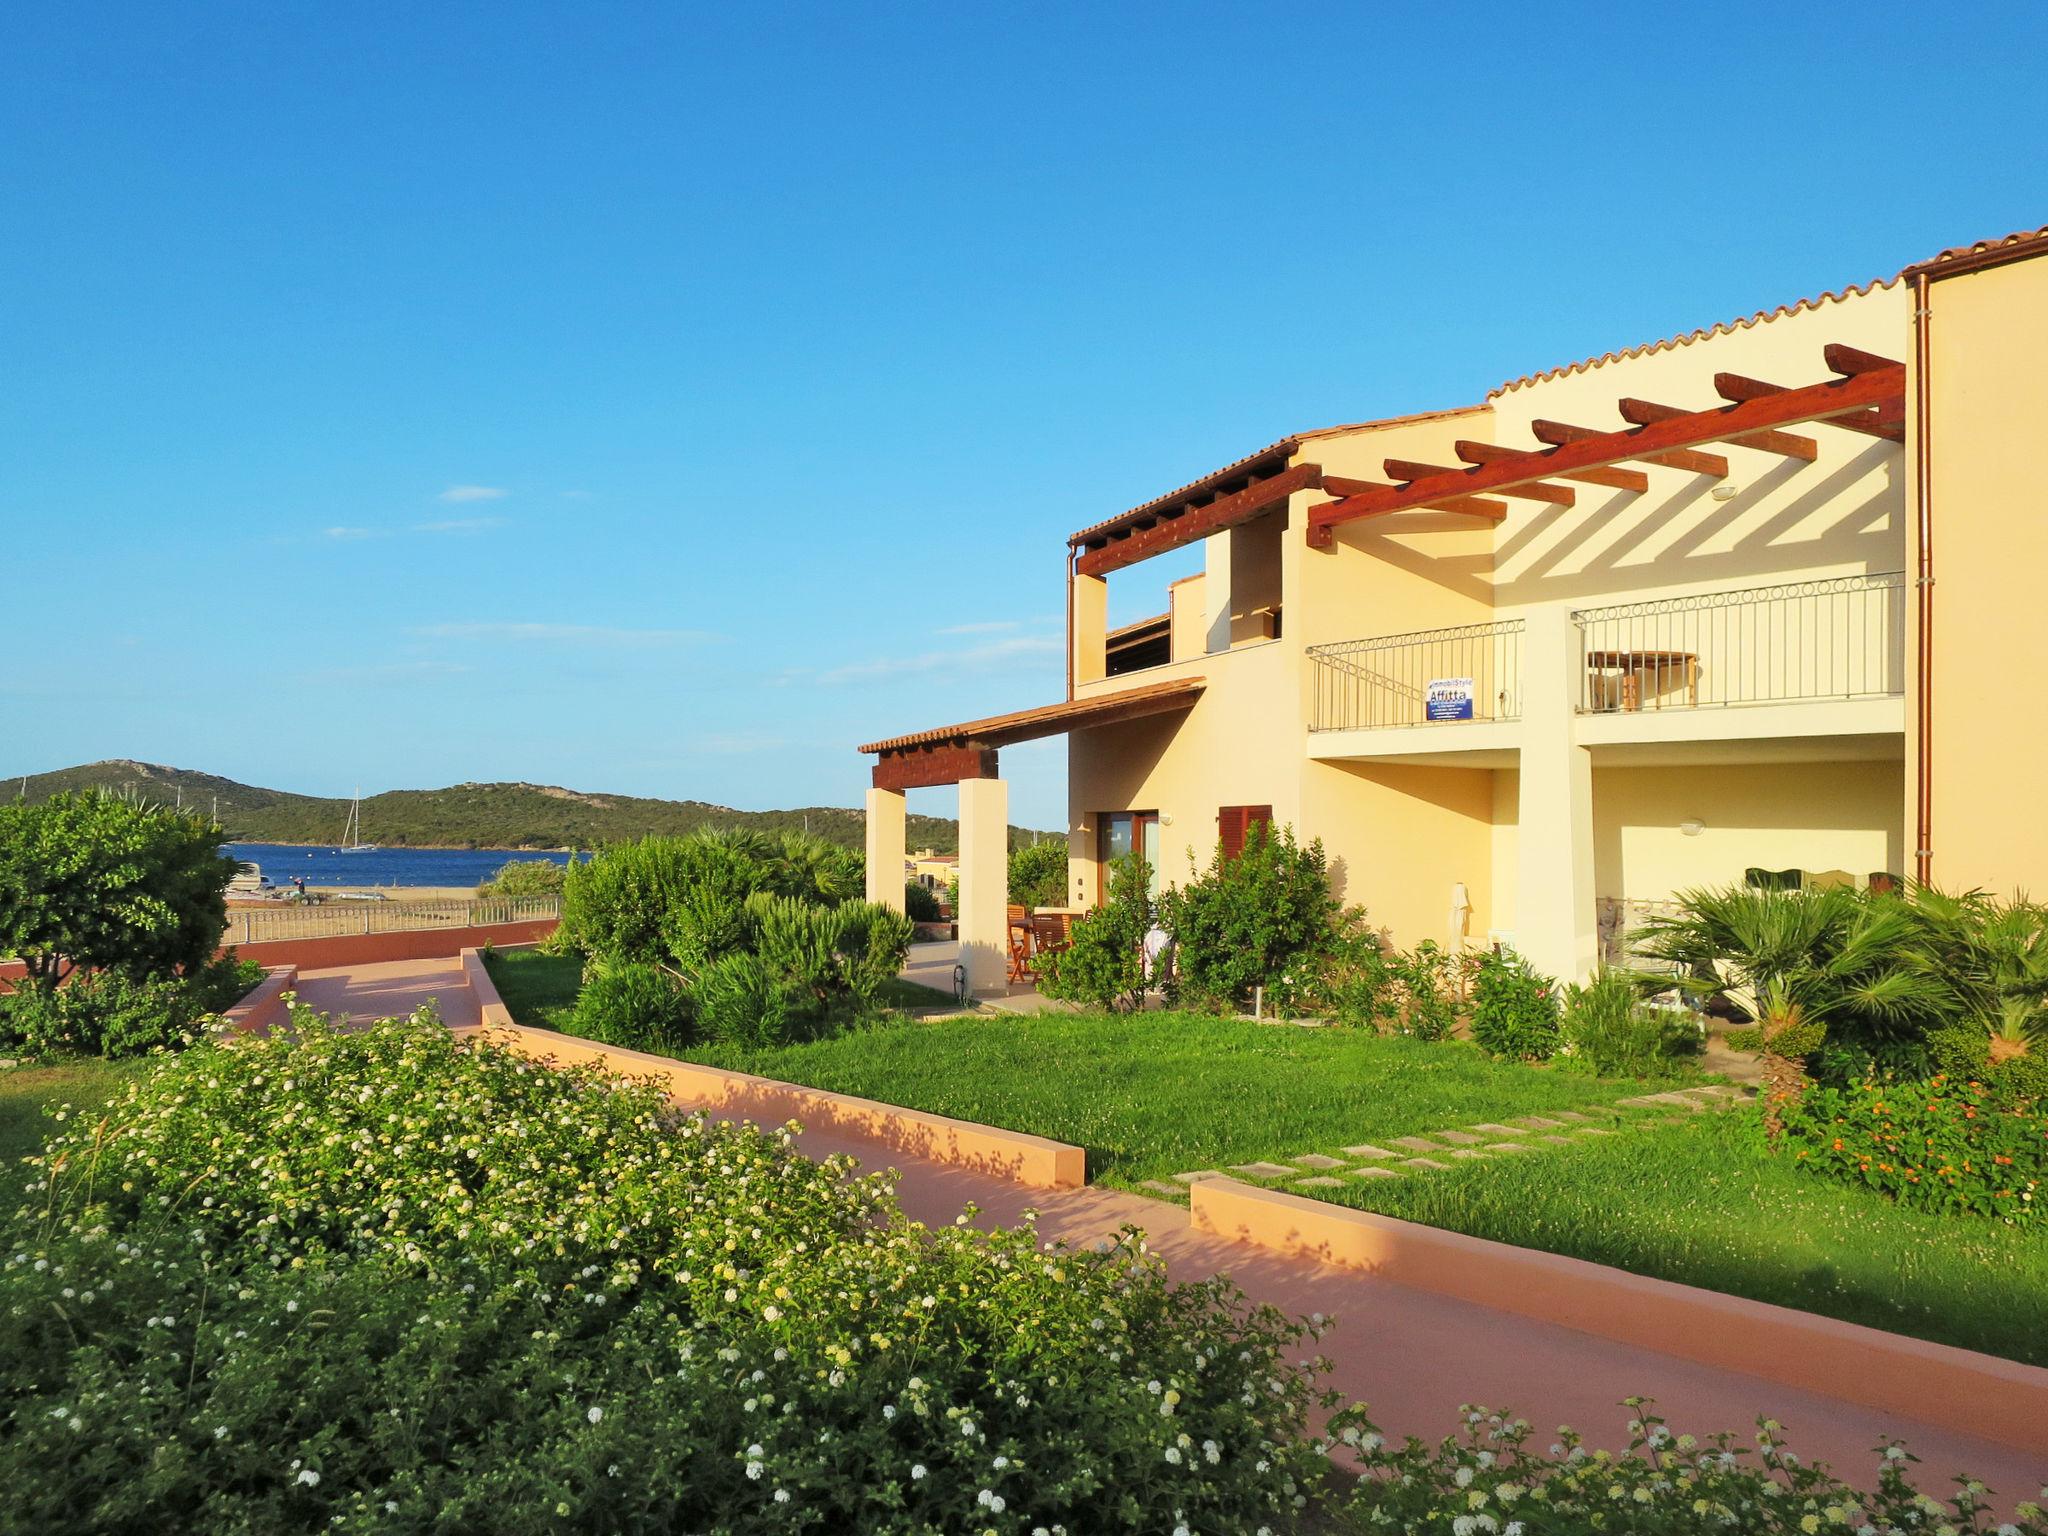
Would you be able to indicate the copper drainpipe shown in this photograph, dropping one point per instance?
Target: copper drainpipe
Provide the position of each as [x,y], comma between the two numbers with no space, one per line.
[1923,484]
[1070,623]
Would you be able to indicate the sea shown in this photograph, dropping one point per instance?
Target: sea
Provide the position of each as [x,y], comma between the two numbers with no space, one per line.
[284,862]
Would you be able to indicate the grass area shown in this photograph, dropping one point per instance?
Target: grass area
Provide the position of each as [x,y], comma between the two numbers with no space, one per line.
[26,1092]
[1161,1093]
[1702,1202]
[540,989]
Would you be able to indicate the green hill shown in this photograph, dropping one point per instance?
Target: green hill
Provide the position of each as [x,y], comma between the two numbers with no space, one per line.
[466,815]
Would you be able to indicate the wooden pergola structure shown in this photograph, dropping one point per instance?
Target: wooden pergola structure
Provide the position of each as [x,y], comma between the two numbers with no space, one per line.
[1867,395]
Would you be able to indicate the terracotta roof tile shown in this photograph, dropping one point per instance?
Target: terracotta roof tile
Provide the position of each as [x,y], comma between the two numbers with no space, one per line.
[1055,719]
[1956,253]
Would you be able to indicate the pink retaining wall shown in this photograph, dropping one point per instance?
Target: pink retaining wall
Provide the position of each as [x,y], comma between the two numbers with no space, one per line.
[490,1008]
[263,1008]
[1034,1161]
[369,948]
[2000,1400]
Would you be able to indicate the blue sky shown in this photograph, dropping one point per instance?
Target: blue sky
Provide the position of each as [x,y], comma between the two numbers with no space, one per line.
[665,399]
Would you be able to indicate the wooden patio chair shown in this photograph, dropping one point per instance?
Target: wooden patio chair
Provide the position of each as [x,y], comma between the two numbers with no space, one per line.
[1051,932]
[1020,945]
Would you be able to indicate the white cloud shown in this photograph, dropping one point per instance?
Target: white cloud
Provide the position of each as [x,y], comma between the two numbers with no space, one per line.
[472,493]
[966,658]
[459,525]
[563,634]
[350,533]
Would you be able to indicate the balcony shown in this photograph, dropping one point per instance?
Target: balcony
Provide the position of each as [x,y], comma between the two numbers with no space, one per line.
[1835,640]
[1431,678]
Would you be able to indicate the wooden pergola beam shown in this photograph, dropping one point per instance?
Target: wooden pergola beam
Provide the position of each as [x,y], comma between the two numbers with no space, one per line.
[1674,440]
[1853,360]
[1563,435]
[1528,490]
[1875,423]
[1490,453]
[1198,521]
[1469,506]
[1644,412]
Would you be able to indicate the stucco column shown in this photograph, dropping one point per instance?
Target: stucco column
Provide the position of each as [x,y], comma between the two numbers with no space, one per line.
[1090,661]
[985,883]
[885,847]
[1555,922]
[1216,589]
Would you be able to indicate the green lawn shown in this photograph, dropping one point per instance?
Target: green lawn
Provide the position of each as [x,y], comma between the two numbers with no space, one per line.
[538,988]
[1702,1202]
[25,1092]
[1162,1093]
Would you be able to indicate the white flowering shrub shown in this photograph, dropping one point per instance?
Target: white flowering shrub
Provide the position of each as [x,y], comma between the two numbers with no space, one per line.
[390,1281]
[1492,1481]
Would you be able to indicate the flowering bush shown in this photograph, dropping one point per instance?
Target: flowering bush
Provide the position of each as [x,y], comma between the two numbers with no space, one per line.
[1246,920]
[113,1013]
[1946,1144]
[1490,1481]
[389,1281]
[1428,977]
[1514,1008]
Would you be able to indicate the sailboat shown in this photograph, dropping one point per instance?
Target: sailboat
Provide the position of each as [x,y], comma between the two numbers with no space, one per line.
[352,834]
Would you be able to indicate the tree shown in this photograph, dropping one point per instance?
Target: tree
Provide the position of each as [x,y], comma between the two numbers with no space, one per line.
[520,879]
[91,881]
[1797,962]
[1104,961]
[1038,875]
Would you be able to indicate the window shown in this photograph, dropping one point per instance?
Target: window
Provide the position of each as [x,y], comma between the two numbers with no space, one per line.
[1234,824]
[1123,833]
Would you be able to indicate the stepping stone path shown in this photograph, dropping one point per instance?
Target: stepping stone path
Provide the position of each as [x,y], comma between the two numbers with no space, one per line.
[1475,1143]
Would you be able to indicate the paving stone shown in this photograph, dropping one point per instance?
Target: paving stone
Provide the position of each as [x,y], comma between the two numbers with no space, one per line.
[1161,1187]
[1538,1123]
[1198,1175]
[1642,1101]
[1371,1153]
[1376,1173]
[1594,1130]
[1556,1141]
[1417,1144]
[1423,1162]
[1317,1160]
[1468,1152]
[1498,1130]
[1564,1114]
[1684,1101]
[1459,1138]
[1509,1146]
[1264,1170]
[1320,1181]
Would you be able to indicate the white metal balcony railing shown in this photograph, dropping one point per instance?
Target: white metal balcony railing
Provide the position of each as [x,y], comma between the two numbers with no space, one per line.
[1804,641]
[1433,676]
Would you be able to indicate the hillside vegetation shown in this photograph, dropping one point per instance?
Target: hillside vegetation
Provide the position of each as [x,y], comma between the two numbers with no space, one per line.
[467,815]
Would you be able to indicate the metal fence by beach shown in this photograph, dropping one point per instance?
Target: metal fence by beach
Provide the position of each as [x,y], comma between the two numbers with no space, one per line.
[328,919]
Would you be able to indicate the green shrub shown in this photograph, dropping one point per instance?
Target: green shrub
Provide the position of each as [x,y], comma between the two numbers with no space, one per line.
[920,902]
[1038,875]
[639,1007]
[741,1001]
[524,879]
[93,882]
[1963,1052]
[1425,980]
[114,1014]
[1104,964]
[1349,979]
[1514,1008]
[1610,1030]
[391,1281]
[1946,1144]
[1244,921]
[1491,1479]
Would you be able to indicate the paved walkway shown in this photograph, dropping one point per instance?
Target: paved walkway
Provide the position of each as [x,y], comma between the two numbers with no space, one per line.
[389,989]
[1414,1356]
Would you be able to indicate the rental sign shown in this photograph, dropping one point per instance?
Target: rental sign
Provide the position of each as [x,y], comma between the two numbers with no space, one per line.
[1448,698]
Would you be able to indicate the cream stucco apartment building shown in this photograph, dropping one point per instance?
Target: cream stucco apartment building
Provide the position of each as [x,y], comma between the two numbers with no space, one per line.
[1768,596]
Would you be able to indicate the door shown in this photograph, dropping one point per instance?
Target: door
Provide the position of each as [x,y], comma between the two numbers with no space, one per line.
[1122,833]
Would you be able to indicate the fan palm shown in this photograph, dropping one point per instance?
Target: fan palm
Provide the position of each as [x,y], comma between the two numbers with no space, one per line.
[1797,962]
[1995,956]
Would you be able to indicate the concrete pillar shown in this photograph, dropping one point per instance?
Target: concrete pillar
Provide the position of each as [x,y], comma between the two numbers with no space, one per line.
[1556,927]
[885,847]
[985,883]
[1091,629]
[1216,588]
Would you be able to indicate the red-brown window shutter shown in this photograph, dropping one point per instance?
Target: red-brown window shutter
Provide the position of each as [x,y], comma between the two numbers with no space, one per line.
[1235,822]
